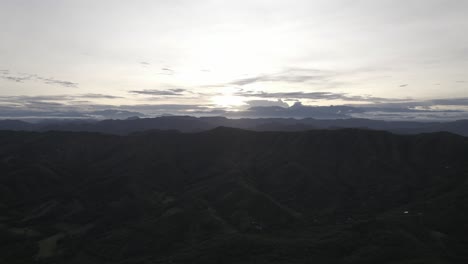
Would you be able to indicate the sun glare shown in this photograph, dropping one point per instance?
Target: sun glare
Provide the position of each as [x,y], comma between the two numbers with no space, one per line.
[228,101]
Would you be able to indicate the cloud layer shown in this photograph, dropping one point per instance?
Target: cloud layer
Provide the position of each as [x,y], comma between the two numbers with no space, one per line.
[154,92]
[77,106]
[318,96]
[25,77]
[235,57]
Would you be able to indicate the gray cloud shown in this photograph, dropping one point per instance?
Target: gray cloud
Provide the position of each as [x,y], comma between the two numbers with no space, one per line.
[403,85]
[317,96]
[22,77]
[324,78]
[295,75]
[256,103]
[59,97]
[58,82]
[18,107]
[258,109]
[165,107]
[98,96]
[15,79]
[19,113]
[269,105]
[43,110]
[41,104]
[298,110]
[167,71]
[421,104]
[68,106]
[175,109]
[168,92]
[450,101]
[50,100]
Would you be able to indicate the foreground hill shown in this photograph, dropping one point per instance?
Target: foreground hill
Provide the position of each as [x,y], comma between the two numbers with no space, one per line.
[233,196]
[198,124]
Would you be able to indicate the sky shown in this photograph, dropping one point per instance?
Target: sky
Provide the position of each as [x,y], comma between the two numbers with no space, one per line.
[224,57]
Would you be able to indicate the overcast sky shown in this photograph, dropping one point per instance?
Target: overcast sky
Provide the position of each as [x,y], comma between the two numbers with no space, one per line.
[231,55]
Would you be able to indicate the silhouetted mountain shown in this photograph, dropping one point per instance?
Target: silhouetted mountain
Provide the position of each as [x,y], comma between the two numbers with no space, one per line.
[16,125]
[194,124]
[233,196]
[299,110]
[457,127]
[115,114]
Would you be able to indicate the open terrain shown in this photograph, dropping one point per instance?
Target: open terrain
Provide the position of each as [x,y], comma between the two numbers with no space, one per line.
[233,196]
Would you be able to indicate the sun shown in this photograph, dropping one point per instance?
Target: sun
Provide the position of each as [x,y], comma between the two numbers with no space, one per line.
[228,101]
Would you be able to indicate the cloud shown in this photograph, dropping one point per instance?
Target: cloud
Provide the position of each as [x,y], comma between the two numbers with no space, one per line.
[52,103]
[258,109]
[257,103]
[41,104]
[58,82]
[450,101]
[294,75]
[98,96]
[428,105]
[168,92]
[56,97]
[317,96]
[22,77]
[15,78]
[167,71]
[167,108]
[43,110]
[262,104]
[298,110]
[6,75]
[73,107]
[22,98]
[403,85]
[24,113]
[318,77]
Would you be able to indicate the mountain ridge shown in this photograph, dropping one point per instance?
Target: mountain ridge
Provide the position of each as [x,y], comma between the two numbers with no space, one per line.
[233,196]
[189,124]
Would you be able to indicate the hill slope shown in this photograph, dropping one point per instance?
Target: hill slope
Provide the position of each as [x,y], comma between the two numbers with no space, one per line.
[233,196]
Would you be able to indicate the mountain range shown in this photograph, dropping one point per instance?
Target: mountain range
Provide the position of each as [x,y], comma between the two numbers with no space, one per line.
[198,124]
[229,195]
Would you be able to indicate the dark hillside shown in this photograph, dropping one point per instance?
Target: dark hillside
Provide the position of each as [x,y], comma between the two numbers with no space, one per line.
[233,196]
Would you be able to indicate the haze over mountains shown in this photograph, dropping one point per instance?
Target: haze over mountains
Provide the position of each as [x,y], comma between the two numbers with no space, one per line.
[43,107]
[194,124]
